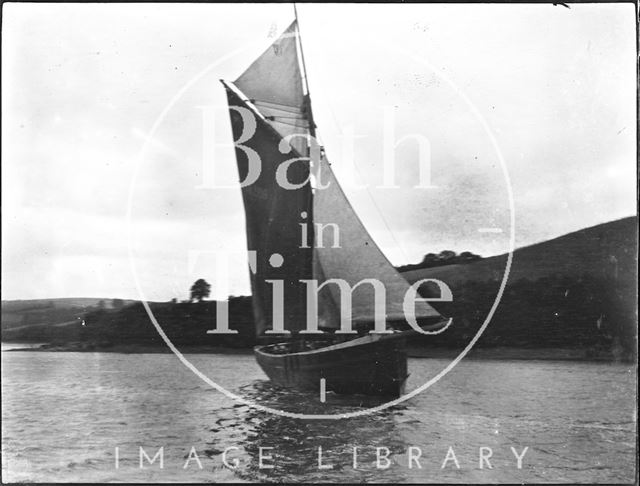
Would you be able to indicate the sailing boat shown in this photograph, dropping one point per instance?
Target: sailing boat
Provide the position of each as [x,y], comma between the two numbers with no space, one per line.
[271,118]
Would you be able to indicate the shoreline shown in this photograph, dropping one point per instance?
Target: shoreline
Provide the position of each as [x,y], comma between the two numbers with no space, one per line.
[518,354]
[129,349]
[497,353]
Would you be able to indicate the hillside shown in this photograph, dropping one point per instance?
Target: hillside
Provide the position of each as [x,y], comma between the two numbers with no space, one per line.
[575,291]
[598,251]
[52,312]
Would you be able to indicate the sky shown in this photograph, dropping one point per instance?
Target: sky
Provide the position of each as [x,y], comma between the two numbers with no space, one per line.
[110,111]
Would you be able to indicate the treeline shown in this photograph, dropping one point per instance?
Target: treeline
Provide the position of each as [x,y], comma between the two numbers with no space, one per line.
[185,323]
[445,257]
[52,312]
[597,314]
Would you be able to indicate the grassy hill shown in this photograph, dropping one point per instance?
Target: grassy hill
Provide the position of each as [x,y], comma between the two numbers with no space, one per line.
[598,251]
[577,291]
[52,312]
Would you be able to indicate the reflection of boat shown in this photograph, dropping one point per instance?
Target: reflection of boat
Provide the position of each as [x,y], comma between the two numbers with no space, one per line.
[295,443]
[272,124]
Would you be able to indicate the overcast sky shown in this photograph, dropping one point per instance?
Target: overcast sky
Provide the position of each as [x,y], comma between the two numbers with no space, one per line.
[83,86]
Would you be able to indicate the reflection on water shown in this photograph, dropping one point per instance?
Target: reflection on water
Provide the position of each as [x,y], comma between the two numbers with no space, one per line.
[65,413]
[296,442]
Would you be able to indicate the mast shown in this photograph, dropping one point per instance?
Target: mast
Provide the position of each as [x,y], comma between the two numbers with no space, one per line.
[312,125]
[311,240]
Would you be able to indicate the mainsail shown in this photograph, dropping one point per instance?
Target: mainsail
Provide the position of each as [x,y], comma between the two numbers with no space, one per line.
[272,216]
[271,92]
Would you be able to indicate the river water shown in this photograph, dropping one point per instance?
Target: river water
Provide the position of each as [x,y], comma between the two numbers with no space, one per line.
[64,415]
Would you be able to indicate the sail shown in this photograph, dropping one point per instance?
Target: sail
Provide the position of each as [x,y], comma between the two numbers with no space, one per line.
[273,83]
[328,310]
[272,216]
[357,258]
[271,91]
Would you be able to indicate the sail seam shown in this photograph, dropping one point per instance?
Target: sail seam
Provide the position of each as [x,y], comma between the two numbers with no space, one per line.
[297,125]
[255,110]
[273,117]
[294,108]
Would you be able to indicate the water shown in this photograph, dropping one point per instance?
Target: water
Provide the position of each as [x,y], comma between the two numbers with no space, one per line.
[63,415]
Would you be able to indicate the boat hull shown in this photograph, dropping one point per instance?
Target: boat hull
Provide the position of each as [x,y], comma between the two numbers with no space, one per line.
[373,368]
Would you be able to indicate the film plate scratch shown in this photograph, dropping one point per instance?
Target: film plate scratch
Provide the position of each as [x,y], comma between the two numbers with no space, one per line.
[319,243]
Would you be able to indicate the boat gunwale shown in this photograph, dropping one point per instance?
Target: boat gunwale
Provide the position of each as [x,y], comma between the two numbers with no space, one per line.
[331,347]
[374,338]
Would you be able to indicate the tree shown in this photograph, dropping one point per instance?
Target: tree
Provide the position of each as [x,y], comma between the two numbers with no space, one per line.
[467,256]
[200,290]
[445,255]
[117,304]
[430,258]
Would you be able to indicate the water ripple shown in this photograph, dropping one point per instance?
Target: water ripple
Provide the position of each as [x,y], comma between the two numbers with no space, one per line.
[65,413]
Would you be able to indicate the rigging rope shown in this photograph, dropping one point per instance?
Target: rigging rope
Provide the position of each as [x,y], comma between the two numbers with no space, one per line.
[297,125]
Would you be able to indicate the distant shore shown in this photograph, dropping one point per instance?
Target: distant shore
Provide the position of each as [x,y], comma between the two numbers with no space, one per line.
[508,353]
[132,349]
[496,353]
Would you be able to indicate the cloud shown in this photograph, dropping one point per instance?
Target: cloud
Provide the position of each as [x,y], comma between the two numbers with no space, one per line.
[85,84]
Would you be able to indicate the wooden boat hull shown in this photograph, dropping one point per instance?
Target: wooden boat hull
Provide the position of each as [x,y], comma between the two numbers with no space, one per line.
[378,367]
